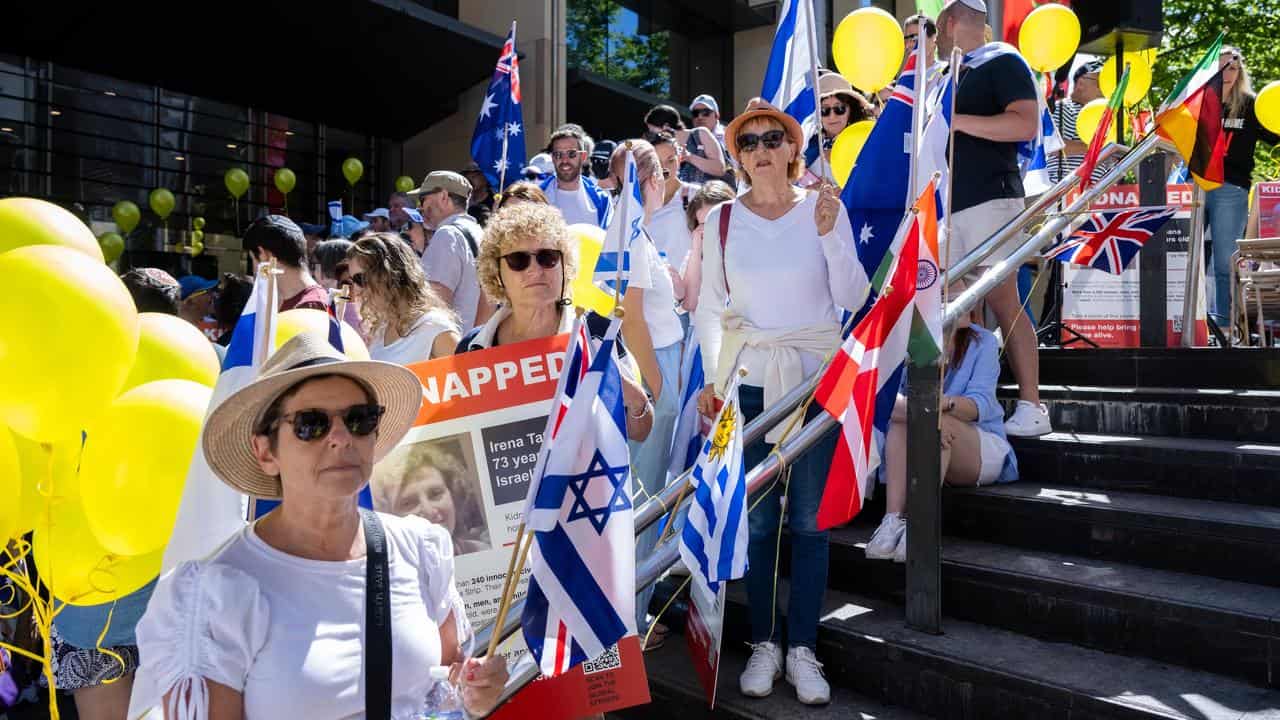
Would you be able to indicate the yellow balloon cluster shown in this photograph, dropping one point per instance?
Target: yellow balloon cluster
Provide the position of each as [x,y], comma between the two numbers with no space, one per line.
[1266,106]
[586,294]
[846,148]
[1049,36]
[170,347]
[1139,78]
[867,47]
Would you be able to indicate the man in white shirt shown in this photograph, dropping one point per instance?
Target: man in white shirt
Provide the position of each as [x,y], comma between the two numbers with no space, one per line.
[579,199]
[450,259]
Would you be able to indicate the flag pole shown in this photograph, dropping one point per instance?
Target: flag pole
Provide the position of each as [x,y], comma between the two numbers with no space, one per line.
[951,160]
[502,168]
[824,167]
[622,207]
[918,109]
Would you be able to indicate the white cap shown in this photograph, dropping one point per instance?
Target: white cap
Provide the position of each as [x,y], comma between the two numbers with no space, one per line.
[975,5]
[542,163]
[706,101]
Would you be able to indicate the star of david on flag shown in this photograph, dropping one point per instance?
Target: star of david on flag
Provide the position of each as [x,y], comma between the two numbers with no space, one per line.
[582,588]
[1111,240]
[497,145]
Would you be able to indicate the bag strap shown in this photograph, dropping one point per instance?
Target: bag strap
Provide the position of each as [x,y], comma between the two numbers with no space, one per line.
[725,209]
[377,620]
[470,238]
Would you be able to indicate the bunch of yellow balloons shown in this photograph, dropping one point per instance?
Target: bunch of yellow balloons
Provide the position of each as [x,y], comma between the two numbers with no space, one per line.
[100,408]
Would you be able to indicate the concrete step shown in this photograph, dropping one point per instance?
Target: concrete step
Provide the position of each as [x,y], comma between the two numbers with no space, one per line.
[1217,625]
[1210,413]
[1160,367]
[1235,471]
[1224,540]
[676,693]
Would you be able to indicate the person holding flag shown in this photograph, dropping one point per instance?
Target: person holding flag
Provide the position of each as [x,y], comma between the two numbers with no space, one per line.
[776,264]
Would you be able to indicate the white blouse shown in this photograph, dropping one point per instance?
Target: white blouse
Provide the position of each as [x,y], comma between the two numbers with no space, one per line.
[288,633]
[415,347]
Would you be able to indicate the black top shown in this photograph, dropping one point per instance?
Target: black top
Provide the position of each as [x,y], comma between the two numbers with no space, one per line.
[1243,134]
[597,326]
[985,169]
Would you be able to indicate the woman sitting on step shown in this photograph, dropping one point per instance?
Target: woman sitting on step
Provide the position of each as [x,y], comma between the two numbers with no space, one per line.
[974,448]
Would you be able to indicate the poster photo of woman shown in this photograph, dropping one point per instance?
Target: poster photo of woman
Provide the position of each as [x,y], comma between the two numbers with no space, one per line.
[436,480]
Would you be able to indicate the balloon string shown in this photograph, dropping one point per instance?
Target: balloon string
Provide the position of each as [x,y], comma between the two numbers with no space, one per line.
[42,616]
[108,651]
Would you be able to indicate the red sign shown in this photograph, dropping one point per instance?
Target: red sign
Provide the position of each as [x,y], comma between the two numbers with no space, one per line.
[704,627]
[1268,198]
[485,380]
[611,682]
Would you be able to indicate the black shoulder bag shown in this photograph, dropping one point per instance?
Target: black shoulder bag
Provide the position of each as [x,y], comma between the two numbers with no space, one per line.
[377,620]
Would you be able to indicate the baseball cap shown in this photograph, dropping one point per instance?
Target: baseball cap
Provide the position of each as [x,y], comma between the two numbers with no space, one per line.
[194,285]
[378,213]
[975,5]
[446,180]
[707,100]
[1093,66]
[414,215]
[347,225]
[604,150]
[314,229]
[540,164]
[472,167]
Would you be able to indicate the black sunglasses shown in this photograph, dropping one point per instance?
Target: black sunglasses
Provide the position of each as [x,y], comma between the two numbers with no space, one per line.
[308,425]
[837,109]
[359,279]
[519,260]
[772,139]
[703,112]
[911,37]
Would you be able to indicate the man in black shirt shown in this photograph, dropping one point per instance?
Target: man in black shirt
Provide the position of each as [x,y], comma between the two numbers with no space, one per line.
[995,109]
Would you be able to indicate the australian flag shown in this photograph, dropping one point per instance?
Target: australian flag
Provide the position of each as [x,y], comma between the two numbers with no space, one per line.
[1109,240]
[498,143]
[582,592]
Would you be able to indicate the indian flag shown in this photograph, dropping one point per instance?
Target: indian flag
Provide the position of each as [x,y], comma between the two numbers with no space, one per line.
[926,324]
[1191,118]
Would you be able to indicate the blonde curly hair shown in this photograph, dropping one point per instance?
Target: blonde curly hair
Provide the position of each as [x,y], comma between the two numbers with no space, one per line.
[514,223]
[395,285]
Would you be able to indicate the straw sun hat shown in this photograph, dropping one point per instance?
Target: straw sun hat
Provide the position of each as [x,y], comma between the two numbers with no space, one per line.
[228,432]
[760,108]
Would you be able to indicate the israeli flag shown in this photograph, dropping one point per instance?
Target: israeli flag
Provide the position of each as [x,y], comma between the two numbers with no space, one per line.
[686,441]
[788,78]
[625,226]
[714,539]
[582,592]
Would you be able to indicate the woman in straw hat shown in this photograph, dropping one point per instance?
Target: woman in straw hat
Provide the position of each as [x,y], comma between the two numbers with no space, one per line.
[842,106]
[777,262]
[273,624]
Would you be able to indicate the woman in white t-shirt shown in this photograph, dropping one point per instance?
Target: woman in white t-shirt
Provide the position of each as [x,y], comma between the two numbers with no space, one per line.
[667,226]
[406,321]
[273,623]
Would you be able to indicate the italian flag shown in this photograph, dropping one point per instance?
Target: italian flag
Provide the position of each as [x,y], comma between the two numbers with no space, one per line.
[1191,118]
[1085,171]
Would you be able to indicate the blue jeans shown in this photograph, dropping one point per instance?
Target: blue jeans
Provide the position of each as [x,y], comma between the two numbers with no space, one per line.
[808,544]
[649,459]
[1226,211]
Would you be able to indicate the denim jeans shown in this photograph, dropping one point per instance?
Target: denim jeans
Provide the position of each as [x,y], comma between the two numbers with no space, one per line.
[1226,211]
[808,545]
[649,460]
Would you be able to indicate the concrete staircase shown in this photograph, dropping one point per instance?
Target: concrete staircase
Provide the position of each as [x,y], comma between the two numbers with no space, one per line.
[1133,572]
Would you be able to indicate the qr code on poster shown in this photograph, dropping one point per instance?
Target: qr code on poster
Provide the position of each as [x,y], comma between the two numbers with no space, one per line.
[607,660]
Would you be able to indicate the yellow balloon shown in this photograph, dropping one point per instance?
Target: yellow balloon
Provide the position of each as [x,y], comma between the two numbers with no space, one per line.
[11,520]
[135,464]
[1049,36]
[77,568]
[1139,78]
[867,47]
[28,221]
[49,474]
[170,347]
[292,322]
[586,294]
[1266,106]
[1089,118]
[68,336]
[846,148]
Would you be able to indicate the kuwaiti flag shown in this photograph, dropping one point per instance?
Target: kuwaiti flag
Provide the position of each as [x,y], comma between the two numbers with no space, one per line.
[866,370]
[1090,161]
[623,230]
[1191,119]
[497,145]
[686,440]
[210,511]
[582,592]
[788,78]
[714,538]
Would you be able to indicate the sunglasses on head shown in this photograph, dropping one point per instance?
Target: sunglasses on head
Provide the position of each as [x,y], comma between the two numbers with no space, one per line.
[772,139]
[315,424]
[519,260]
[703,112]
[563,154]
[839,109]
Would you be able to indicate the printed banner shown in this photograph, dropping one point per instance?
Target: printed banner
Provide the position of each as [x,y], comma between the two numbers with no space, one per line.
[1267,196]
[704,629]
[466,465]
[1104,307]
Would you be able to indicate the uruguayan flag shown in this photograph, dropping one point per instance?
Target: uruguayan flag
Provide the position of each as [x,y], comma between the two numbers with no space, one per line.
[582,592]
[210,511]
[624,227]
[714,539]
[788,78]
[687,438]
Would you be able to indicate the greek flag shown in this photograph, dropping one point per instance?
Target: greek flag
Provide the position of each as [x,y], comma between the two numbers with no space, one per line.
[788,78]
[624,227]
[686,441]
[582,592]
[714,539]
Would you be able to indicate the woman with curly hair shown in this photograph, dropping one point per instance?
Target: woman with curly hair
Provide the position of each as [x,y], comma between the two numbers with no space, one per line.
[430,482]
[405,320]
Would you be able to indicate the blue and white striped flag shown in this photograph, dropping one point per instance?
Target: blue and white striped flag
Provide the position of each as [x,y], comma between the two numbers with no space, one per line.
[788,78]
[624,227]
[686,440]
[582,589]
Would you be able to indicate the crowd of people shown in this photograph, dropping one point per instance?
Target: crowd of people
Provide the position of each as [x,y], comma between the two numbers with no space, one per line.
[747,251]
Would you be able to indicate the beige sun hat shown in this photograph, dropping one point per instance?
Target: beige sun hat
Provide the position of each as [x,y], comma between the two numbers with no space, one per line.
[833,83]
[228,432]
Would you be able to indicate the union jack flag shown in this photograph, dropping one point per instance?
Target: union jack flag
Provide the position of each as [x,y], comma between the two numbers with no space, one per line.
[1109,240]
[497,144]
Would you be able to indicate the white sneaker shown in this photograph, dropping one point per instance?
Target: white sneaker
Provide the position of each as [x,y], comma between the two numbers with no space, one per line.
[900,552]
[763,670]
[885,540]
[805,672]
[1028,420]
